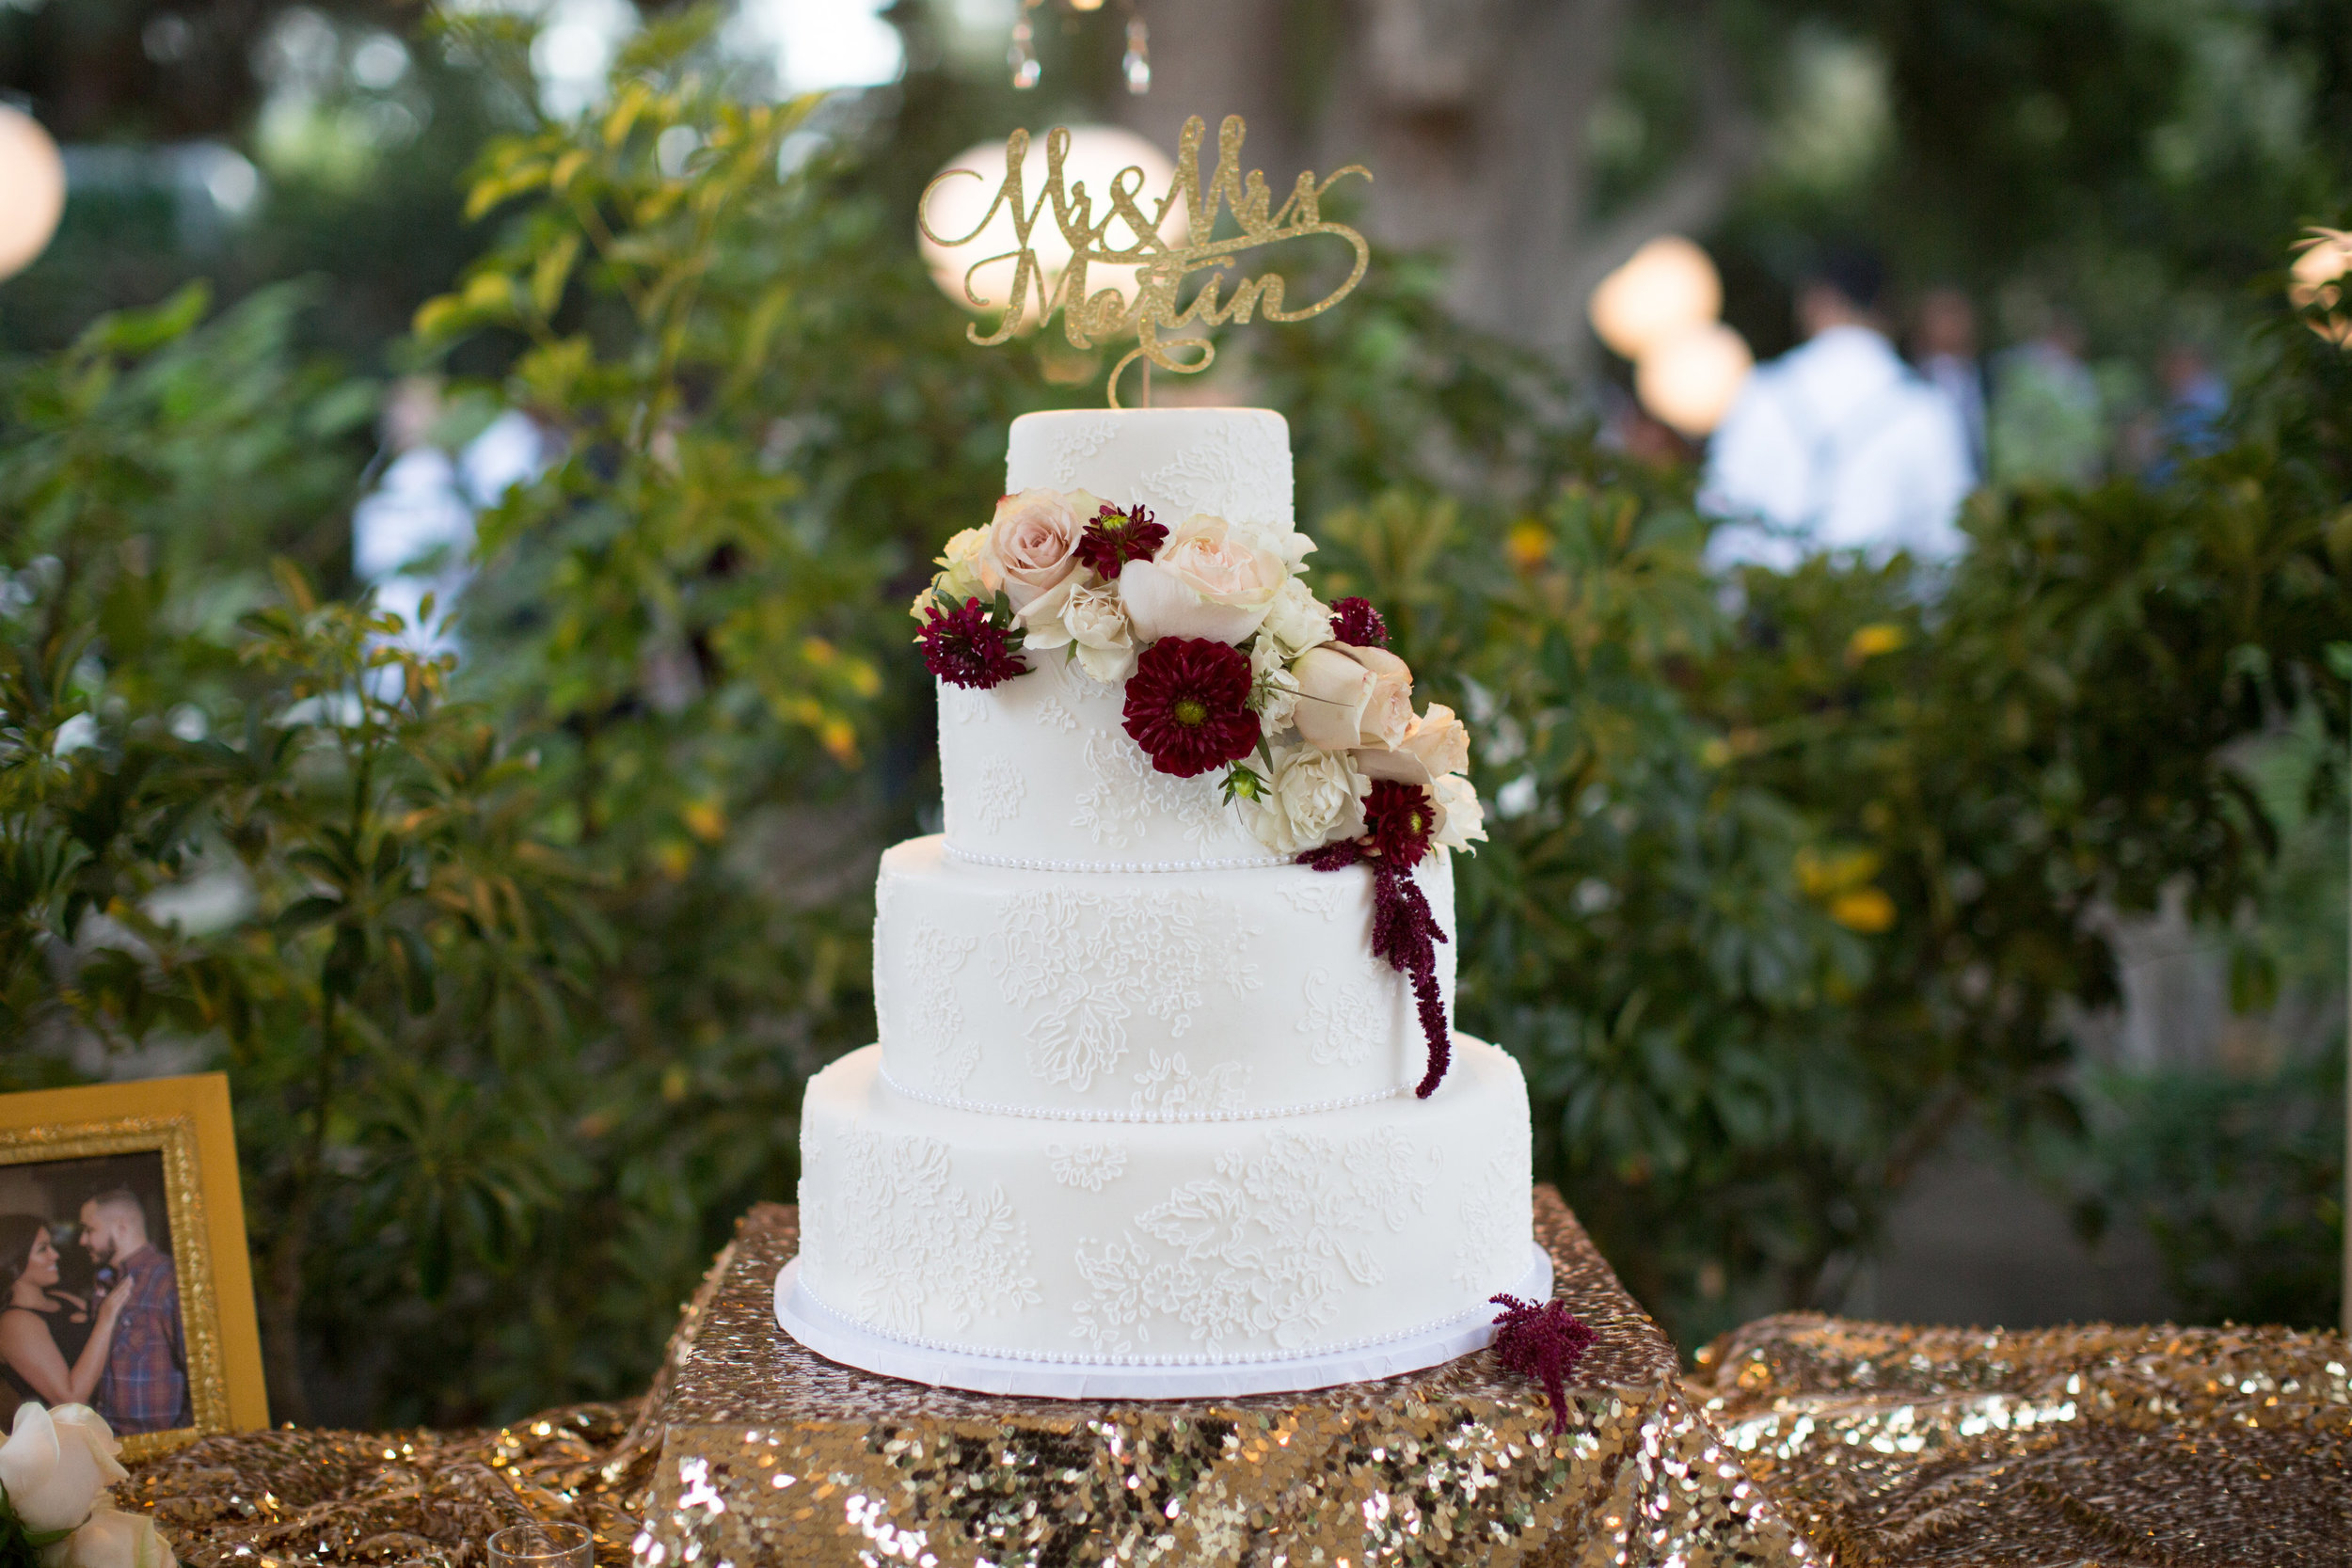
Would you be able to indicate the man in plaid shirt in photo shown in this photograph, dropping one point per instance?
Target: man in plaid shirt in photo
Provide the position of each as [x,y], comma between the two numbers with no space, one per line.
[145,1388]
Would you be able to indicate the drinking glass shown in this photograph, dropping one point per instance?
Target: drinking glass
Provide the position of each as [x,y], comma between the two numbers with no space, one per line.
[537,1545]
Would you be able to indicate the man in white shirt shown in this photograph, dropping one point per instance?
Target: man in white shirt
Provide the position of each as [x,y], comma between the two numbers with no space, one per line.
[1838,445]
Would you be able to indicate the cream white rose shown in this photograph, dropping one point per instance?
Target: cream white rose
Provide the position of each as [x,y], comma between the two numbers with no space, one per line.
[1350,696]
[55,1462]
[1090,615]
[959,575]
[1031,543]
[1461,816]
[111,1539]
[1332,691]
[1298,620]
[1439,740]
[1282,539]
[1272,685]
[1313,798]
[1207,580]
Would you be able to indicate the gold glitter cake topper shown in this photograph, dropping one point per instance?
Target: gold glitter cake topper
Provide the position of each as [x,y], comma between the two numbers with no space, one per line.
[1160,268]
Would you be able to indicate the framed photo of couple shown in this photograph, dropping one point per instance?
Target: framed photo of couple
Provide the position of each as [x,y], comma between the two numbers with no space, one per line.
[125,1281]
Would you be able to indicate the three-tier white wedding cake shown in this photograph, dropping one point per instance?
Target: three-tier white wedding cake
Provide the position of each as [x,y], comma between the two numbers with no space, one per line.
[1143,1116]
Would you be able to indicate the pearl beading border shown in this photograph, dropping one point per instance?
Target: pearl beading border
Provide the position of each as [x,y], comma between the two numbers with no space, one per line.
[1024,862]
[1064,1358]
[1049,1113]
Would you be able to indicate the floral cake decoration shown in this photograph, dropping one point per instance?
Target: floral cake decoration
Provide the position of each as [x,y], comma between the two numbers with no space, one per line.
[1228,662]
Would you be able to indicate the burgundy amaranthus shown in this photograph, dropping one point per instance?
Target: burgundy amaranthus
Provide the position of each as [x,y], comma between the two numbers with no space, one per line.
[966,646]
[1405,929]
[1116,537]
[1545,1342]
[1355,623]
[1188,706]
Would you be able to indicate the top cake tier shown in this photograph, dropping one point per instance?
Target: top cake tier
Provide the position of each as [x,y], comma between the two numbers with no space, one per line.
[1038,772]
[1228,463]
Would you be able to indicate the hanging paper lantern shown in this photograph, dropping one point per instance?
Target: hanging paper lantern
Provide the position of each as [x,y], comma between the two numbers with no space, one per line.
[1098,153]
[32,190]
[1666,287]
[1688,380]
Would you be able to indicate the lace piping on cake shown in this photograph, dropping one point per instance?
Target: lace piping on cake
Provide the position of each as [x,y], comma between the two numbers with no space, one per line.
[951,1347]
[1049,1113]
[1024,862]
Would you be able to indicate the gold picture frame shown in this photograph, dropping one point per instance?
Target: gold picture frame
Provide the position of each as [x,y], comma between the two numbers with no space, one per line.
[186,1123]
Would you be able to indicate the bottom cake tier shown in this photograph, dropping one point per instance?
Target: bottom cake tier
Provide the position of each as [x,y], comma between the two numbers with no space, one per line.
[1146,1245]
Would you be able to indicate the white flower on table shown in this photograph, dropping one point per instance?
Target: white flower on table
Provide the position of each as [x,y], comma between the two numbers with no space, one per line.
[57,1467]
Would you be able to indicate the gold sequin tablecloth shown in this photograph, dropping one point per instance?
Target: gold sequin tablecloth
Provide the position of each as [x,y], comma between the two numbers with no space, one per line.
[2156,1447]
[1937,1448]
[774,1455]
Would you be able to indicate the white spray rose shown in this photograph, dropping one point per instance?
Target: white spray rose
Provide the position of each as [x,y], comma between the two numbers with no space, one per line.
[1207,580]
[1298,620]
[1283,539]
[55,1462]
[111,1539]
[1461,816]
[1031,543]
[1089,614]
[1273,686]
[1313,798]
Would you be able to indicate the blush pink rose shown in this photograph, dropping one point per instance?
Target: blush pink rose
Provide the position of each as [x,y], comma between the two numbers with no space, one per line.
[1032,542]
[1208,580]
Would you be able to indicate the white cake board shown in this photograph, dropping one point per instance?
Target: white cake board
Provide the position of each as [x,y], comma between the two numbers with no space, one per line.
[835,1339]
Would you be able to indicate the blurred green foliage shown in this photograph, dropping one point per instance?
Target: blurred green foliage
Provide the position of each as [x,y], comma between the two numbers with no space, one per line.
[519,965]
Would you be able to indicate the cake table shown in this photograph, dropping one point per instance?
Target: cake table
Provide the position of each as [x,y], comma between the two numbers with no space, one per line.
[773,1454]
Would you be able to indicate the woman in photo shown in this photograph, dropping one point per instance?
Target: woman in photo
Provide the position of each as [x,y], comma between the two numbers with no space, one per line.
[52,1347]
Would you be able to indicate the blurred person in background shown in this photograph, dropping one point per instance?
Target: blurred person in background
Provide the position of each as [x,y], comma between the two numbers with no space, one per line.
[413,533]
[2048,423]
[1944,348]
[1838,445]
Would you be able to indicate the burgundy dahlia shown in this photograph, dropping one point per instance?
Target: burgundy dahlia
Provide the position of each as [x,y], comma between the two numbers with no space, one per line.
[1188,705]
[1400,817]
[1355,623]
[965,646]
[1116,537]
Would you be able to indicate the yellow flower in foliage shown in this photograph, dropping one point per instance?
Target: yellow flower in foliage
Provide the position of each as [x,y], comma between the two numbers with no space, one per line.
[704,821]
[1825,876]
[1866,910]
[1840,878]
[1879,637]
[1529,545]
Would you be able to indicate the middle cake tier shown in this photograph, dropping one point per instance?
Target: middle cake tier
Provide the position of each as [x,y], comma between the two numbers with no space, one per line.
[1142,996]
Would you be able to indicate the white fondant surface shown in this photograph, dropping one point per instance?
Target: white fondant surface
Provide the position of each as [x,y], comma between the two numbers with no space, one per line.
[1155,1244]
[805,1318]
[1039,770]
[1142,996]
[1228,463]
